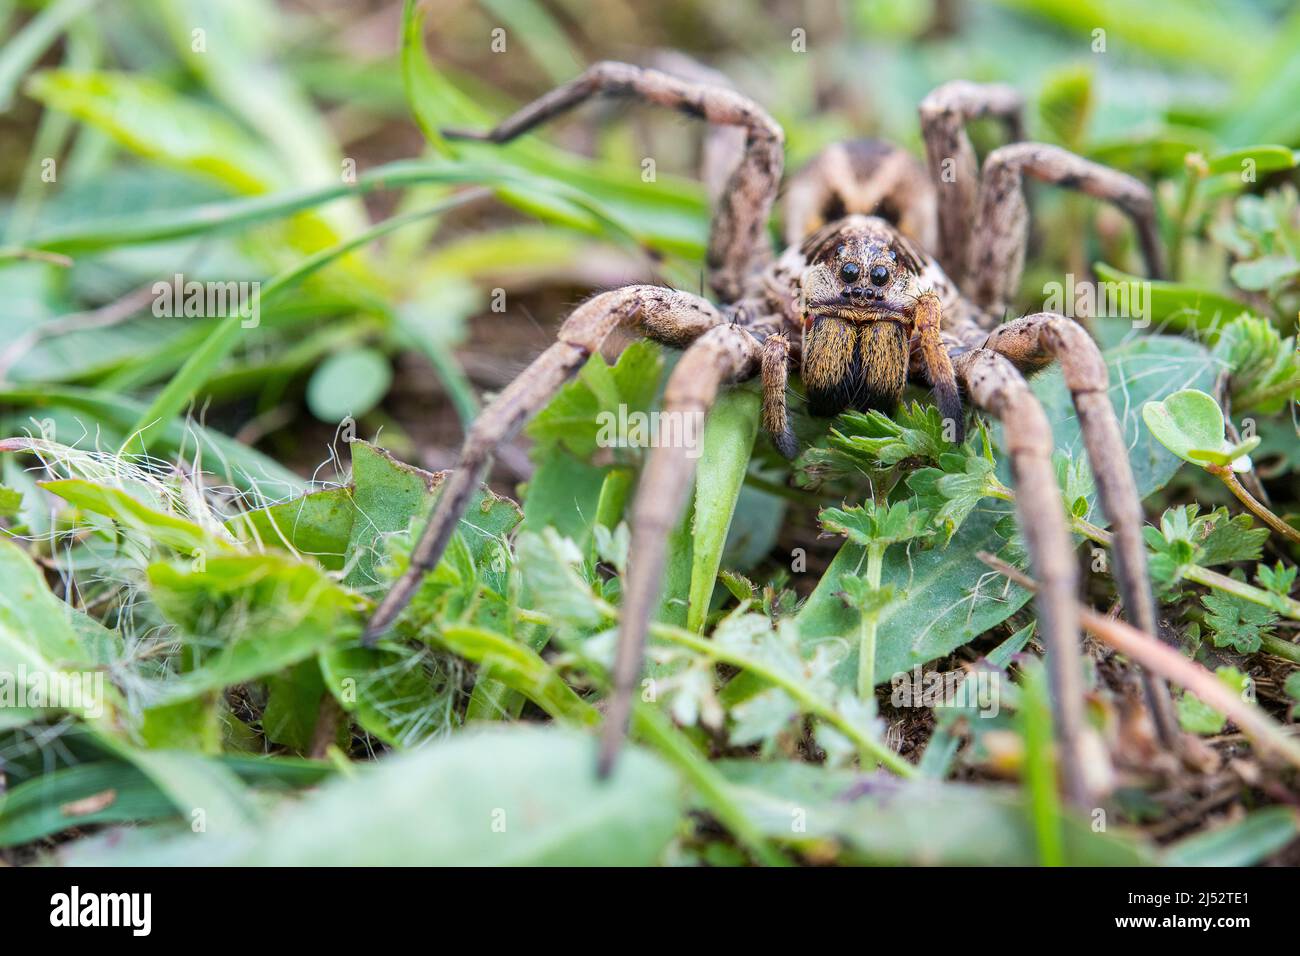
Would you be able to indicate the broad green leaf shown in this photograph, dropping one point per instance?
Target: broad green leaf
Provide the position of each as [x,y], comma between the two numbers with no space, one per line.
[1146,369]
[151,119]
[389,494]
[41,647]
[1252,159]
[318,523]
[1244,842]
[951,598]
[347,384]
[564,493]
[1172,305]
[293,702]
[512,796]
[117,791]
[1190,424]
[881,820]
[724,458]
[248,616]
[1262,274]
[158,526]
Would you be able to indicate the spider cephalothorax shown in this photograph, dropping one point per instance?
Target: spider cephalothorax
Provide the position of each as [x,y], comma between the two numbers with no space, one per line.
[859,296]
[892,275]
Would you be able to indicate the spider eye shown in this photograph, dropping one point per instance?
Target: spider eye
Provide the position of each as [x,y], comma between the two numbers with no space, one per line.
[850,271]
[879,275]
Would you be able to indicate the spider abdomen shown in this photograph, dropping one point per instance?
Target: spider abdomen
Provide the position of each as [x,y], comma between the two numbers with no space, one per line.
[859,365]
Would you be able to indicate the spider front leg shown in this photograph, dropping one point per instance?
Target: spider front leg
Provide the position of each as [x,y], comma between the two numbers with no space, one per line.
[997,262]
[776,378]
[1033,342]
[668,316]
[738,241]
[928,346]
[954,169]
[724,354]
[997,386]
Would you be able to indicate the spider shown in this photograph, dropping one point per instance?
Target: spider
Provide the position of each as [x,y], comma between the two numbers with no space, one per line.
[892,273]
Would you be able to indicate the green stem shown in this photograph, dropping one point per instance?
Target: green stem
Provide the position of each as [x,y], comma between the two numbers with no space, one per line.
[808,701]
[1280,647]
[653,728]
[1287,607]
[868,622]
[1191,184]
[1253,504]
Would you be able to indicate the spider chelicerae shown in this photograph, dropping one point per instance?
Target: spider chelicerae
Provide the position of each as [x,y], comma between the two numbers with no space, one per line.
[892,273]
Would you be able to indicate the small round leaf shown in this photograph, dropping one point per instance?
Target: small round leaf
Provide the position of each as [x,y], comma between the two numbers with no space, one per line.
[348,383]
[1190,424]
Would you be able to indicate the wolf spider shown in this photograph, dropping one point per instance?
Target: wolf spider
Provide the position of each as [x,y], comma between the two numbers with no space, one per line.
[891,273]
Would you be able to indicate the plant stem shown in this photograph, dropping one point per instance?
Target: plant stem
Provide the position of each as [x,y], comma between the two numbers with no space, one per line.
[1286,606]
[1196,169]
[808,701]
[867,625]
[1281,647]
[1225,474]
[653,728]
[1161,659]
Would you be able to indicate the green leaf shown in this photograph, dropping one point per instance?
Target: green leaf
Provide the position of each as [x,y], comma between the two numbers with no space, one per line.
[554,570]
[318,523]
[249,615]
[347,384]
[1244,842]
[117,791]
[1262,274]
[1277,579]
[950,600]
[1198,717]
[104,791]
[724,459]
[874,523]
[149,118]
[501,797]
[293,700]
[389,495]
[882,821]
[1257,159]
[402,695]
[603,407]
[1172,305]
[157,526]
[1190,424]
[1264,368]
[38,640]
[1145,369]
[1065,104]
[11,502]
[1237,623]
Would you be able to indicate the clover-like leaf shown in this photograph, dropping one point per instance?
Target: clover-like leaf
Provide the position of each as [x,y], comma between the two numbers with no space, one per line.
[1190,424]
